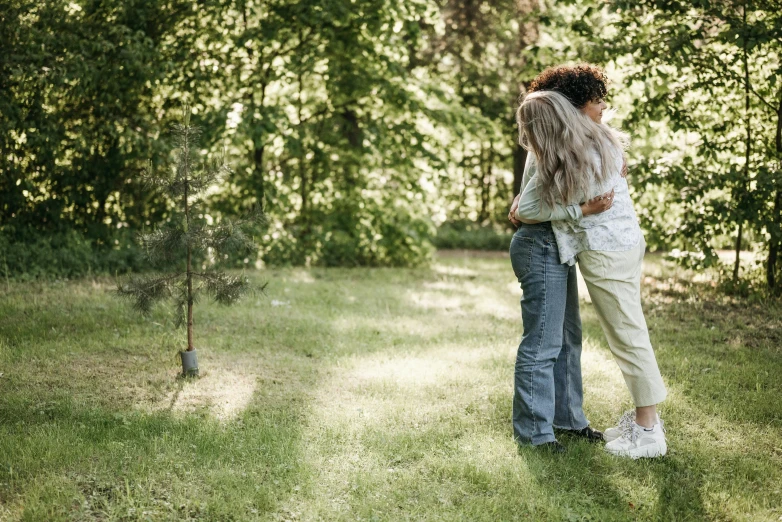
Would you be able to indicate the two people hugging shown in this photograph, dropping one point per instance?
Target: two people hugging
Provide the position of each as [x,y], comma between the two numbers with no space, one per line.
[575,206]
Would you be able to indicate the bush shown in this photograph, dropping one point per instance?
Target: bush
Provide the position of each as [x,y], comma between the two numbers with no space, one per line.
[349,234]
[471,236]
[67,255]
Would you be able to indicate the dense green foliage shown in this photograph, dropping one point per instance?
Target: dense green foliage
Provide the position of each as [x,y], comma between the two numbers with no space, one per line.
[357,127]
[361,126]
[711,71]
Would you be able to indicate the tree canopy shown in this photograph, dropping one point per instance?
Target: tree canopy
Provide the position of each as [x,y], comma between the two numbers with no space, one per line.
[360,126]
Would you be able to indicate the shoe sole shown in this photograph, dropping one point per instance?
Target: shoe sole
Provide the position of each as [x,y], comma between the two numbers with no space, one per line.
[650,451]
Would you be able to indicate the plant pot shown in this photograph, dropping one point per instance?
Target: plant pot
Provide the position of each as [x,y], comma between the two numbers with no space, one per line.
[189,363]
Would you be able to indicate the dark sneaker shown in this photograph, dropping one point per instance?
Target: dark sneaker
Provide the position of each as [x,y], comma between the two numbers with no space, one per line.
[552,447]
[587,433]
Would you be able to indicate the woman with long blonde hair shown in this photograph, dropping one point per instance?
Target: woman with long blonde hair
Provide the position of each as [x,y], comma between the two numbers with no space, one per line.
[547,390]
[574,157]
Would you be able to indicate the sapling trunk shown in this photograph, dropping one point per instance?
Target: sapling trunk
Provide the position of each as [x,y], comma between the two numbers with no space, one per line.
[190,347]
[737,263]
[189,271]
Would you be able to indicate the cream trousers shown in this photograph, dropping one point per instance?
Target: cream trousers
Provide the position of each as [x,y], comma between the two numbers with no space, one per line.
[614,283]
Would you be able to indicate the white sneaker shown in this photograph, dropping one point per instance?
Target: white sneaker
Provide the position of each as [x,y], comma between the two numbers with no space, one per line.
[638,442]
[625,421]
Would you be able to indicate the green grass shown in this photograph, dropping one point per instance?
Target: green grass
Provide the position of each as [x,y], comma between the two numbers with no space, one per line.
[371,394]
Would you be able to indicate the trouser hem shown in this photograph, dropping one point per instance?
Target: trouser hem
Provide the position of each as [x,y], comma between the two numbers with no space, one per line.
[544,440]
[650,402]
[536,440]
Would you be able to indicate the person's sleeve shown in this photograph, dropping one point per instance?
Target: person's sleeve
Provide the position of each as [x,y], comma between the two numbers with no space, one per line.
[530,168]
[532,208]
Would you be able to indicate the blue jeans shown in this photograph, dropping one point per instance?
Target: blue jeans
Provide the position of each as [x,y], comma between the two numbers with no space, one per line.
[547,390]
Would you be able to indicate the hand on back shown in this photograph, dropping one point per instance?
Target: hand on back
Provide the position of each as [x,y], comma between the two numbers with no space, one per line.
[599,204]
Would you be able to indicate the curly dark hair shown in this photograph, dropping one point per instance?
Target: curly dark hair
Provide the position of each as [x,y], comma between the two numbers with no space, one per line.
[578,83]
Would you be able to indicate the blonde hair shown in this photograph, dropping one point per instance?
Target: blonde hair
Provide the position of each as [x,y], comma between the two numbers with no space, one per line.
[563,140]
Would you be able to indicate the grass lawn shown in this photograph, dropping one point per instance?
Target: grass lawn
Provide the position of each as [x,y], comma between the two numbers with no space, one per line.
[371,394]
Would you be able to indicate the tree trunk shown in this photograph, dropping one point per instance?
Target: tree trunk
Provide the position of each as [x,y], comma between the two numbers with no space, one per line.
[351,131]
[258,174]
[489,182]
[773,247]
[258,152]
[775,242]
[190,347]
[465,171]
[738,253]
[748,149]
[302,170]
[258,142]
[482,183]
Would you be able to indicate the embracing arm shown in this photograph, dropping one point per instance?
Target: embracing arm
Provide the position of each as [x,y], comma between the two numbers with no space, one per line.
[528,208]
[532,210]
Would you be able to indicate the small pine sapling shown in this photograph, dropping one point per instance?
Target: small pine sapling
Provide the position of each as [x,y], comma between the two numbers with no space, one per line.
[186,238]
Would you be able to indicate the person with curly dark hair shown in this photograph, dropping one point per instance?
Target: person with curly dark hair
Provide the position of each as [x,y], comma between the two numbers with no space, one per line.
[548,391]
[580,84]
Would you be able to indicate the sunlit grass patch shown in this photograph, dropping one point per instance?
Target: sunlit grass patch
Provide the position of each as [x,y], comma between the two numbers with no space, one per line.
[224,390]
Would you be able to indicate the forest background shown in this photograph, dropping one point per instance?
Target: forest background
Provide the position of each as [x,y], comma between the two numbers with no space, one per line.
[372,131]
